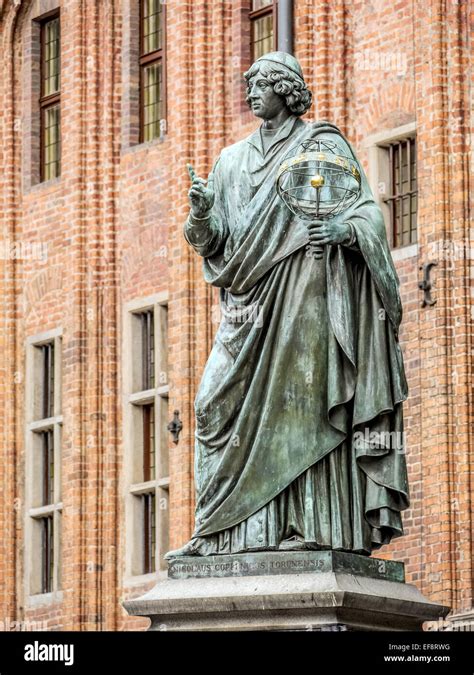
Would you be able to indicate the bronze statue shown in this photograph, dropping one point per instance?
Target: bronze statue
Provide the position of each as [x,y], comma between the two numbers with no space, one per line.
[299,424]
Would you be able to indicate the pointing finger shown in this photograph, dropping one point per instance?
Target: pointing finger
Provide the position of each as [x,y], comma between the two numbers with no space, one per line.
[192,173]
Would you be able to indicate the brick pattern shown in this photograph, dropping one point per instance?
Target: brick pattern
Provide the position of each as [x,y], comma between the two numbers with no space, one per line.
[112,224]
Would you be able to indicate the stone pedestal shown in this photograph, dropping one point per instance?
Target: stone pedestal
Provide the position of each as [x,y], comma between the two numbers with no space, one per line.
[310,590]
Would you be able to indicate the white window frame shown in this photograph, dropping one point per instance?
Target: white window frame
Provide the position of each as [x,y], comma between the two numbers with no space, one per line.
[34,425]
[379,177]
[133,398]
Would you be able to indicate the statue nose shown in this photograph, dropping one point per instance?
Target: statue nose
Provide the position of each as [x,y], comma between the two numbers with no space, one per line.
[253,93]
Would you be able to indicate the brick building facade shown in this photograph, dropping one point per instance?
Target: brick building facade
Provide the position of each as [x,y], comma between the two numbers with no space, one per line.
[90,252]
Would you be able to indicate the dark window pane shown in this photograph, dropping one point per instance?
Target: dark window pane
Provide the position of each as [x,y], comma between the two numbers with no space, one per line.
[51,57]
[51,142]
[412,165]
[47,442]
[152,100]
[413,231]
[152,26]
[396,170]
[149,533]
[47,393]
[262,35]
[397,228]
[149,454]
[148,349]
[47,554]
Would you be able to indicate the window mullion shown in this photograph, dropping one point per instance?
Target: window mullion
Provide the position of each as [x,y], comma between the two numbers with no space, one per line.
[146,59]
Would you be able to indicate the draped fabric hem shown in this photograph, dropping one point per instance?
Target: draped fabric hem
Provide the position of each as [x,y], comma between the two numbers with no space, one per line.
[323,508]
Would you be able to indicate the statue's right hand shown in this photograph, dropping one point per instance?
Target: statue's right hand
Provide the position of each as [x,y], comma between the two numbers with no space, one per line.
[201,194]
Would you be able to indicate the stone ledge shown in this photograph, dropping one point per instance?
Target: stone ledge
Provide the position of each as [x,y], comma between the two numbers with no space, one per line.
[308,601]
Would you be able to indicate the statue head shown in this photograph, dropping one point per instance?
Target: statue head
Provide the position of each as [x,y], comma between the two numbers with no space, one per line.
[274,81]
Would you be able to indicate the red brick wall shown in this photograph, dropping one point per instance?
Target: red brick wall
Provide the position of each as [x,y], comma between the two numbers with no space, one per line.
[113,226]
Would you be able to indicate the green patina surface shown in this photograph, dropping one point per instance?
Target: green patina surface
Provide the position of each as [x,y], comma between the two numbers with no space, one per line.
[299,411]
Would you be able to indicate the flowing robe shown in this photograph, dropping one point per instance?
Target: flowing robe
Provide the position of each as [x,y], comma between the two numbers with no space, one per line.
[299,411]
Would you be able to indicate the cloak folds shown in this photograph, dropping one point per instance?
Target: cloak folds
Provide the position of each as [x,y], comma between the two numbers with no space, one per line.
[306,363]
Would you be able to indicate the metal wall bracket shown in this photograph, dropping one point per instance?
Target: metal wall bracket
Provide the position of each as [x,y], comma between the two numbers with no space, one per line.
[175,426]
[425,285]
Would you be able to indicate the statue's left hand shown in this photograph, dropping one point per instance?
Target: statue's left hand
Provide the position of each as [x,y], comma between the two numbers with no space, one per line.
[332,231]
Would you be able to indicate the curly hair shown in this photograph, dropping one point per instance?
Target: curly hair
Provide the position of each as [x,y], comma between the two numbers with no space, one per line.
[285,82]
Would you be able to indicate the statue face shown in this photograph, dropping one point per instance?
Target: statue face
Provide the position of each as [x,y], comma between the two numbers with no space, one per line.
[263,100]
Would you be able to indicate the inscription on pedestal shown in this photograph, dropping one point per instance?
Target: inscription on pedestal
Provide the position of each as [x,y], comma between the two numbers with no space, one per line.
[288,562]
